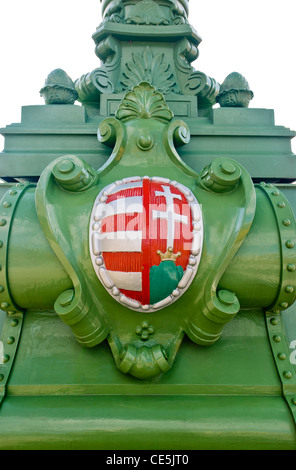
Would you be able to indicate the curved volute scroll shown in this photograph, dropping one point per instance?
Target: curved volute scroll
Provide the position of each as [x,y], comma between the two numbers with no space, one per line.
[112,133]
[229,212]
[62,195]
[143,130]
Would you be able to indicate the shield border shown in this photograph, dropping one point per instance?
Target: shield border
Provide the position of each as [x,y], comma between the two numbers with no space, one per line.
[194,259]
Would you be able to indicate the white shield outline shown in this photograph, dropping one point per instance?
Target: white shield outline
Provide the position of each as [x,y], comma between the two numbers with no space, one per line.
[97,256]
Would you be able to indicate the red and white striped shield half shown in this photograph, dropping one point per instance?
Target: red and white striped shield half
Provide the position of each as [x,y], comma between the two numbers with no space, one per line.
[138,225]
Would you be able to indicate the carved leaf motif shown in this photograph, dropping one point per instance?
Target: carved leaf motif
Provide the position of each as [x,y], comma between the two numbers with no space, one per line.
[144,102]
[152,69]
[147,12]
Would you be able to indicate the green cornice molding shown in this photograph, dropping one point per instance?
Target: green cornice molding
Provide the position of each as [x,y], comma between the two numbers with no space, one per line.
[152,32]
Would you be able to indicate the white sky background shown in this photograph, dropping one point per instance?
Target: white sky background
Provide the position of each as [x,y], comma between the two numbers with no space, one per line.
[254,37]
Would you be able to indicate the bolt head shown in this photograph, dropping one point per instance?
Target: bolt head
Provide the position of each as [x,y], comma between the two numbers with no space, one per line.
[228,168]
[66,166]
[66,298]
[226,297]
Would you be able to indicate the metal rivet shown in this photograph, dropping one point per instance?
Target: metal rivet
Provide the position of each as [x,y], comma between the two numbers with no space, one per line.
[282,356]
[4,305]
[1,289]
[228,168]
[293,401]
[66,298]
[10,340]
[275,193]
[277,339]
[1,243]
[290,244]
[14,322]
[291,267]
[1,377]
[274,321]
[281,205]
[66,166]
[270,185]
[2,222]
[145,142]
[226,297]
[284,304]
[12,192]
[6,204]
[5,358]
[286,222]
[289,289]
[288,374]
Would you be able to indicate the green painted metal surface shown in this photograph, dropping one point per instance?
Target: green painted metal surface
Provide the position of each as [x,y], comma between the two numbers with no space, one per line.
[147,254]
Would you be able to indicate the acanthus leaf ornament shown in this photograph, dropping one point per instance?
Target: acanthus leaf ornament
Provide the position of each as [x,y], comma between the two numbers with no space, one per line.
[150,68]
[147,12]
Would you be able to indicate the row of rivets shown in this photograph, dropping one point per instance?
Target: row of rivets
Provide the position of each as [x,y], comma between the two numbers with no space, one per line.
[275,327]
[11,333]
[285,298]
[4,305]
[275,323]
[7,206]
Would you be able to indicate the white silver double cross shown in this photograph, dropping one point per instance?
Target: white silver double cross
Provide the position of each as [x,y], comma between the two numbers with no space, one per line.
[170,215]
